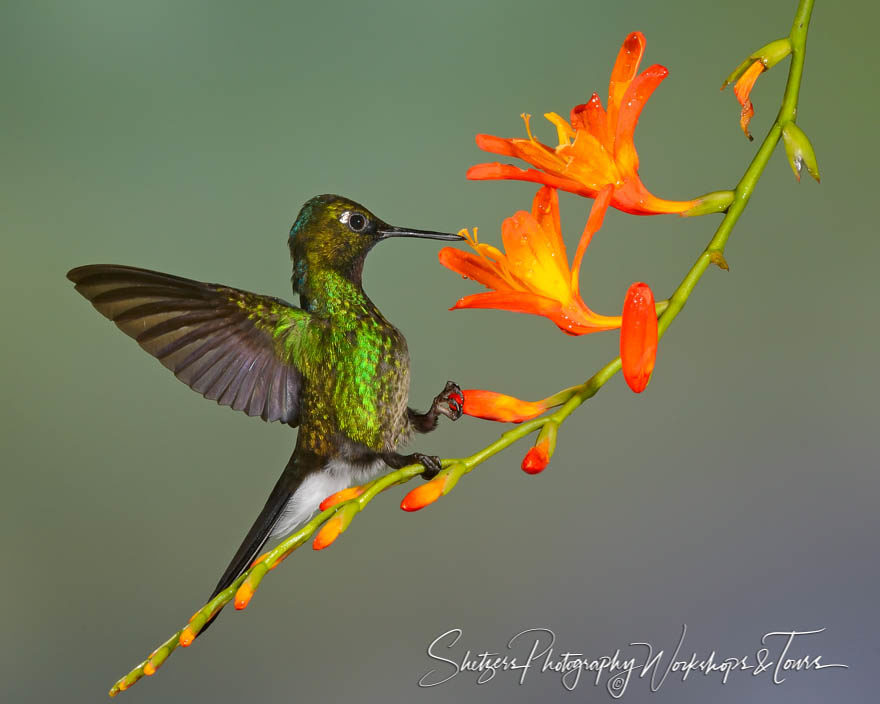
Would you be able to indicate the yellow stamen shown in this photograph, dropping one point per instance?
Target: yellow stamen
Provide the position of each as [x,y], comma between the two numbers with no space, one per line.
[499,265]
[526,118]
[472,241]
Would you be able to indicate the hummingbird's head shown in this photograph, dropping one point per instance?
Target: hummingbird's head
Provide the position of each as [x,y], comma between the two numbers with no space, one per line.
[332,232]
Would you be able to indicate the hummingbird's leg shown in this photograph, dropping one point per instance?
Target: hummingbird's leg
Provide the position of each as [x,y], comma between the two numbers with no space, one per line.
[431,463]
[448,403]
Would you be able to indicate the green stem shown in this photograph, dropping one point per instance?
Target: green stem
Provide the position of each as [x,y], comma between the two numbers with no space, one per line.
[575,396]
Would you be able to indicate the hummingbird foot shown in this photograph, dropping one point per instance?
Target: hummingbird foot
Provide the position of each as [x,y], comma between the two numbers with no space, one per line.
[431,463]
[447,403]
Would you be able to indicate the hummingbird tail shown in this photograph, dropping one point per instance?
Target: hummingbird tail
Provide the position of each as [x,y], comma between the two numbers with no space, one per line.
[287,484]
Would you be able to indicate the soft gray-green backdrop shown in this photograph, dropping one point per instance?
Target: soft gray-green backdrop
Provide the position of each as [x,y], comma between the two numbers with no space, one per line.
[738,495]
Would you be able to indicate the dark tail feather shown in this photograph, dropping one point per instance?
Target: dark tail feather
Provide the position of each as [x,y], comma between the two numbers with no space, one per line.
[289,481]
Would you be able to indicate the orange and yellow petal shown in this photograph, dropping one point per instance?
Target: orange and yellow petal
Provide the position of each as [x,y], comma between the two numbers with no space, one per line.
[577,319]
[591,117]
[496,145]
[594,222]
[742,89]
[625,68]
[536,257]
[545,209]
[635,199]
[473,266]
[564,131]
[638,336]
[509,172]
[637,94]
[589,163]
[514,301]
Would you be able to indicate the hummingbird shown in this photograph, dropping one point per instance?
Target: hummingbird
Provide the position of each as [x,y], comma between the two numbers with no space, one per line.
[334,367]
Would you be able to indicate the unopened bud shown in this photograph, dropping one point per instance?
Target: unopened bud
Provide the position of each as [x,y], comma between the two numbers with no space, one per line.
[800,151]
[638,336]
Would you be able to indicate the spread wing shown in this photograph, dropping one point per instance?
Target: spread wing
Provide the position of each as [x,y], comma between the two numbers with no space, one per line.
[234,347]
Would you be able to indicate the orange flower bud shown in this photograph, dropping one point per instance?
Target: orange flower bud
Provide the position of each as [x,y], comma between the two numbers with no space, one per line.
[186,637]
[149,669]
[638,336]
[328,533]
[425,494]
[243,596]
[491,405]
[351,492]
[537,458]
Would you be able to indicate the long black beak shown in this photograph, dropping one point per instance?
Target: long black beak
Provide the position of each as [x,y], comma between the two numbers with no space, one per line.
[389,231]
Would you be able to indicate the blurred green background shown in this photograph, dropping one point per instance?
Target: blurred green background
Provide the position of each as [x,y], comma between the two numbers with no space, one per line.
[738,495]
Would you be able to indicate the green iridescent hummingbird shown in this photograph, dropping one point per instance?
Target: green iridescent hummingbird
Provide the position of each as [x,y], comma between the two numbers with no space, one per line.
[334,367]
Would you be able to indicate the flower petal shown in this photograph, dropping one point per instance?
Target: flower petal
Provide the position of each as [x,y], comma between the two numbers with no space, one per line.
[515,301]
[496,145]
[564,131]
[539,155]
[473,267]
[634,100]
[589,163]
[625,68]
[490,172]
[742,89]
[592,118]
[532,254]
[635,199]
[545,209]
[594,222]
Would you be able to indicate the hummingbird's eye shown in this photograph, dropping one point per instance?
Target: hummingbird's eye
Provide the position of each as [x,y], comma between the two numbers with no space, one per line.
[357,222]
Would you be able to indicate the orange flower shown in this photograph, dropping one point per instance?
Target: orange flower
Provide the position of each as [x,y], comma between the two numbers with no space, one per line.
[533,275]
[596,149]
[638,336]
[742,89]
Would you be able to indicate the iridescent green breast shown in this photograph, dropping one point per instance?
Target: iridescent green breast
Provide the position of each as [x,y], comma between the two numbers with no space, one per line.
[356,375]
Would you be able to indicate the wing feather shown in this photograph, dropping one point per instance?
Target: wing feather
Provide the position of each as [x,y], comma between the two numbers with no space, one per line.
[232,346]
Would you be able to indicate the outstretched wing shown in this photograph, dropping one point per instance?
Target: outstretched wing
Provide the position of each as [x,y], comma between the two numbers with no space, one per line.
[233,347]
